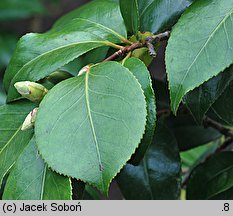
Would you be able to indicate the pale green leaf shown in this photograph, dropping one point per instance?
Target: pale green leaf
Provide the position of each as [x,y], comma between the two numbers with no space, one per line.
[88,127]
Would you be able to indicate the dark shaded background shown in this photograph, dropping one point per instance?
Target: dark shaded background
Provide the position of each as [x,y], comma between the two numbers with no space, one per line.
[43,22]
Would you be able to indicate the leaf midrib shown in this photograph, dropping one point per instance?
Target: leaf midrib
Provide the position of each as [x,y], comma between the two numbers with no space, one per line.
[53,50]
[92,124]
[43,182]
[123,39]
[200,51]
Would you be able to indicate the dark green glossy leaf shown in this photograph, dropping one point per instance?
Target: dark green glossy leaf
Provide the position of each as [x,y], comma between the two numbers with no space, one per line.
[193,55]
[158,175]
[200,99]
[100,116]
[30,179]
[189,134]
[104,12]
[140,71]
[158,15]
[223,107]
[161,94]
[33,61]
[18,9]
[130,13]
[12,139]
[212,178]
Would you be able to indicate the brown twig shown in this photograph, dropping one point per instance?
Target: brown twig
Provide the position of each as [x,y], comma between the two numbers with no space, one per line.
[208,122]
[123,51]
[148,42]
[155,39]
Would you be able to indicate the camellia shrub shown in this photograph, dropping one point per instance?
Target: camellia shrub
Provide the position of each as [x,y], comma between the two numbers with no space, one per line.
[82,108]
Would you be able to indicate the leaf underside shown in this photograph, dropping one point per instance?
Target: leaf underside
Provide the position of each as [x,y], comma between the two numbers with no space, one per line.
[88,127]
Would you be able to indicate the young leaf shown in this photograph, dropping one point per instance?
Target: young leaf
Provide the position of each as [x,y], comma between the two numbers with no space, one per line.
[12,139]
[33,61]
[193,55]
[30,179]
[223,106]
[158,15]
[130,13]
[140,71]
[88,127]
[189,134]
[212,178]
[158,175]
[200,99]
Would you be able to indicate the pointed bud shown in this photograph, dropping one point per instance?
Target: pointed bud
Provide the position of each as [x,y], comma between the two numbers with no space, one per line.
[84,69]
[58,76]
[31,90]
[29,120]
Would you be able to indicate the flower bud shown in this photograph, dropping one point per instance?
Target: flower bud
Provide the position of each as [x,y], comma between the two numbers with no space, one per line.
[29,120]
[31,90]
[58,76]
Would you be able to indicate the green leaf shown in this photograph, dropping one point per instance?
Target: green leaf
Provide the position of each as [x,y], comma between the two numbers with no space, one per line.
[189,134]
[104,12]
[33,61]
[30,179]
[200,99]
[88,127]
[223,106]
[158,175]
[194,156]
[130,13]
[212,178]
[12,139]
[140,71]
[193,55]
[158,15]
[15,9]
